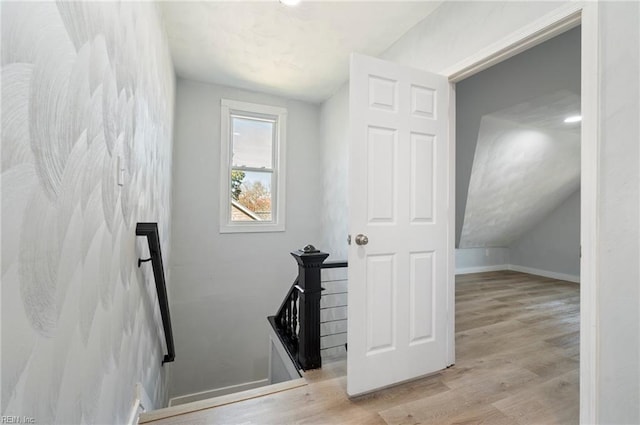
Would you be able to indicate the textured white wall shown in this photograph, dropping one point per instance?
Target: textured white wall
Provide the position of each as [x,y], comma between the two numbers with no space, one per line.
[526,85]
[334,128]
[520,174]
[225,285]
[82,83]
[457,30]
[618,213]
[553,244]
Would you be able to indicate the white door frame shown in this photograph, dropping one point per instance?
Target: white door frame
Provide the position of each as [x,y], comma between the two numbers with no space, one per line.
[583,13]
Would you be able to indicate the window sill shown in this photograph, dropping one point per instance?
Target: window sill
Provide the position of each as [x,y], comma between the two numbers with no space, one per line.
[251,228]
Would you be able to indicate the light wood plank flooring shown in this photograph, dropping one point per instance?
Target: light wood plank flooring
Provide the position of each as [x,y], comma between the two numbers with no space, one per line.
[517,359]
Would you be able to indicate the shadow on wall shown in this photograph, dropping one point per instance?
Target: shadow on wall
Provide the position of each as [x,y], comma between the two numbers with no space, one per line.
[516,160]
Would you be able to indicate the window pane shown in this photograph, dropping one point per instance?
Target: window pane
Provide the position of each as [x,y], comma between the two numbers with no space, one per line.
[252,142]
[251,196]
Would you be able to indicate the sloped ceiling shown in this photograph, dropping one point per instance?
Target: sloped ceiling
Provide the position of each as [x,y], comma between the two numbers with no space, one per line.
[527,162]
[298,52]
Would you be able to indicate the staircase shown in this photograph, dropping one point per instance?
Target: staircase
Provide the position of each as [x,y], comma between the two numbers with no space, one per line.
[309,326]
[212,403]
[312,319]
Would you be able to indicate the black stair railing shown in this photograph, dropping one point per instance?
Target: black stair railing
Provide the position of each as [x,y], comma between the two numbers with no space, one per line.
[150,230]
[297,321]
[287,318]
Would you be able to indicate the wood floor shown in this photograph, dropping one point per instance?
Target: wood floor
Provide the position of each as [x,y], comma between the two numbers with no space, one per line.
[517,357]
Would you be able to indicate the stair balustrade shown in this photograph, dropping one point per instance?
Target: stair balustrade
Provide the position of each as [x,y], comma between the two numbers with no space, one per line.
[297,322]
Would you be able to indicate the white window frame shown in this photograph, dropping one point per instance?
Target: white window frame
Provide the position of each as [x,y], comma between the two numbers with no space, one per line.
[278,204]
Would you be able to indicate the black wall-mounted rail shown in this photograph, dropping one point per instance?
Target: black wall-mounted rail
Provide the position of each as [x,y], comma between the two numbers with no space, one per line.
[150,230]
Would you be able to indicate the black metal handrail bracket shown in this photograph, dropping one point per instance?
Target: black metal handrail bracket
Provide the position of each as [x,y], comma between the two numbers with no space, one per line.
[150,230]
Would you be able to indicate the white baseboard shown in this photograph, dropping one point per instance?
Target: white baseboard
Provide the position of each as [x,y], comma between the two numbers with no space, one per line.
[203,395]
[545,273]
[481,269]
[136,408]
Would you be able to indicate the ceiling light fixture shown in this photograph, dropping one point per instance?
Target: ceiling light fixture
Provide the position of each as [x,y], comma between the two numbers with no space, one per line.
[290,3]
[574,118]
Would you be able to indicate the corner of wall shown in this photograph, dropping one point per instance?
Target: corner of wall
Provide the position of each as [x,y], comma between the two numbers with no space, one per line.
[481,259]
[334,125]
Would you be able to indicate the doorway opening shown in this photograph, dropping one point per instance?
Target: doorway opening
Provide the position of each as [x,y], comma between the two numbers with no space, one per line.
[532,35]
[518,160]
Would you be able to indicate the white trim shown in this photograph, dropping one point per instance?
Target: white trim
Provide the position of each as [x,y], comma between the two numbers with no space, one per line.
[451,232]
[135,412]
[279,168]
[138,406]
[217,392]
[590,148]
[544,273]
[145,401]
[537,32]
[482,269]
[560,20]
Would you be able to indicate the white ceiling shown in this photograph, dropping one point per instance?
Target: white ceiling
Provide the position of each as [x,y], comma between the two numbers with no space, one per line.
[527,162]
[298,52]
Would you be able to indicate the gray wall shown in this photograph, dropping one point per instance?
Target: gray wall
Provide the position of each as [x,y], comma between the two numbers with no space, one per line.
[225,285]
[551,247]
[82,83]
[554,243]
[544,69]
[474,260]
[459,29]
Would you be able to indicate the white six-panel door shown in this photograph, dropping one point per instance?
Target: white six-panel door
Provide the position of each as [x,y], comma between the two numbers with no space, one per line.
[399,186]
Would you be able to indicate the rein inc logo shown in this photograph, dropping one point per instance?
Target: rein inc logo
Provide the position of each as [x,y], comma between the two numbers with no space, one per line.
[5,419]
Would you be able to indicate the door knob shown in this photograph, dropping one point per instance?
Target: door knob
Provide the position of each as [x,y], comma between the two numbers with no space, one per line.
[362,239]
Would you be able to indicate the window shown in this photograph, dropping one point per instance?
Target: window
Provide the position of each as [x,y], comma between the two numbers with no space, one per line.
[252,168]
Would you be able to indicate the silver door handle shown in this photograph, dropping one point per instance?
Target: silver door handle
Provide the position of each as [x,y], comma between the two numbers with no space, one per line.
[362,239]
